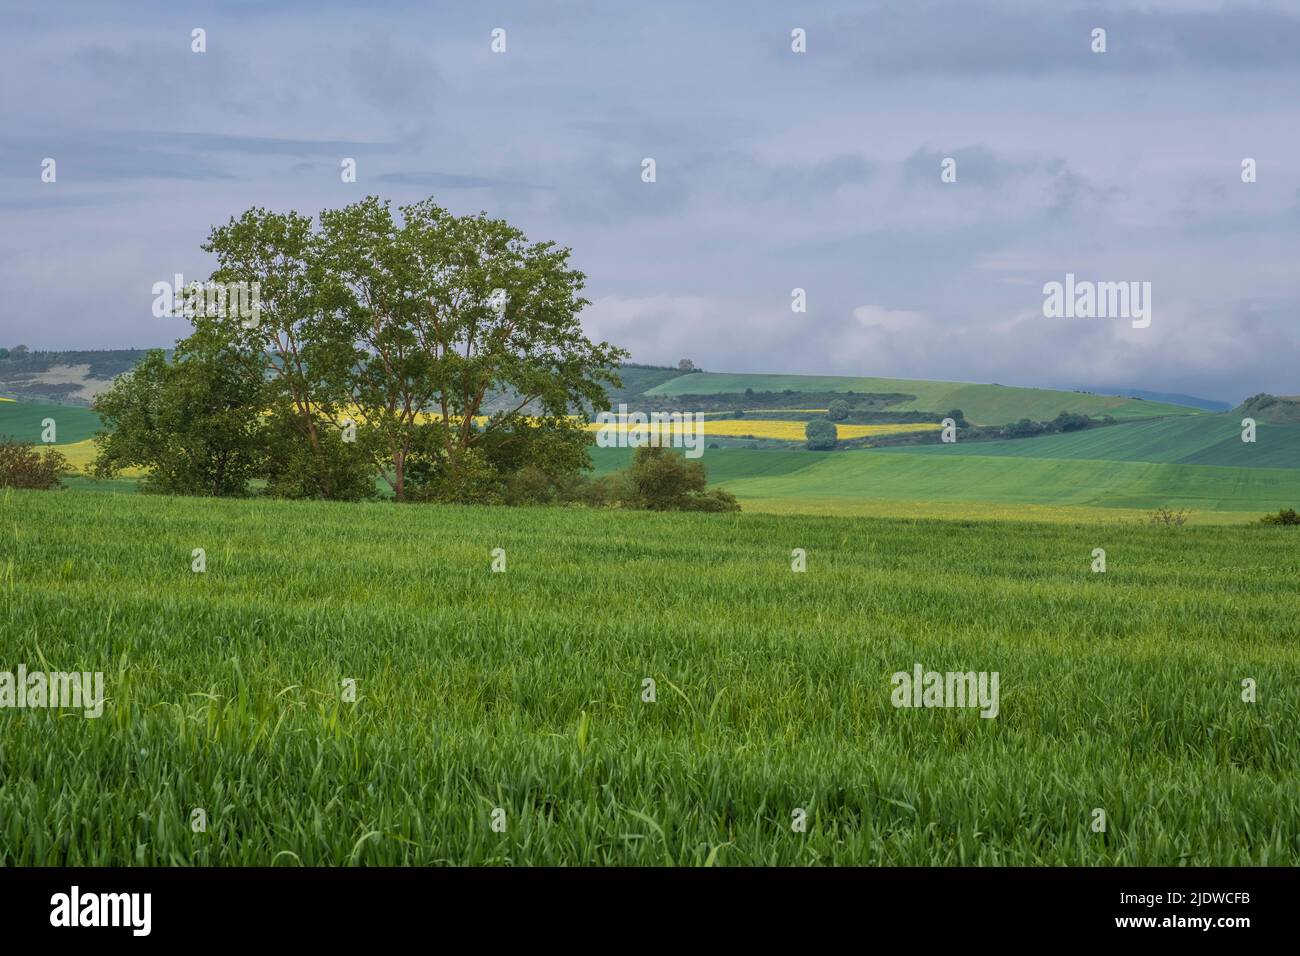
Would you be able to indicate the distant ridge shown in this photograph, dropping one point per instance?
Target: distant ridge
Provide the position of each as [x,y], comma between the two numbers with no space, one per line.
[1169,398]
[1270,408]
[982,404]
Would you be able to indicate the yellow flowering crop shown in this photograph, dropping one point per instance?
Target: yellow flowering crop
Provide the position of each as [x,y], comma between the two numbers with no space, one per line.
[789,431]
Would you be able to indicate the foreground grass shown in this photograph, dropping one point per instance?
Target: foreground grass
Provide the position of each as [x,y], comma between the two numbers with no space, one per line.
[980,511]
[522,690]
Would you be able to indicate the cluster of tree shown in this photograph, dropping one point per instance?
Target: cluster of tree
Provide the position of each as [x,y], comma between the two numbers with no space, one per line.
[103,363]
[1269,408]
[753,402]
[1024,428]
[1064,422]
[821,434]
[658,479]
[376,341]
[22,466]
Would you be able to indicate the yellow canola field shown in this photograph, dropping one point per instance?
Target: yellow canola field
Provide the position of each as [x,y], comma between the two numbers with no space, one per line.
[791,431]
[81,454]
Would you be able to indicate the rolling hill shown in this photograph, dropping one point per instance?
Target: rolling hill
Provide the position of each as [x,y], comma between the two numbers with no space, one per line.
[901,482]
[1193,461]
[21,421]
[1156,455]
[1186,440]
[73,378]
[982,404]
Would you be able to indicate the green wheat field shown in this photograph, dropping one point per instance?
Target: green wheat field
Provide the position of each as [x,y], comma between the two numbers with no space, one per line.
[522,691]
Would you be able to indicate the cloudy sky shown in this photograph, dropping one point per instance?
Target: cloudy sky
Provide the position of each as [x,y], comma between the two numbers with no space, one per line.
[775,170]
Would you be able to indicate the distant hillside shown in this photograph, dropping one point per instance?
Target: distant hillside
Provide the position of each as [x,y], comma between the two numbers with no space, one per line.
[982,404]
[1168,398]
[1187,440]
[1269,408]
[67,378]
[639,379]
[75,377]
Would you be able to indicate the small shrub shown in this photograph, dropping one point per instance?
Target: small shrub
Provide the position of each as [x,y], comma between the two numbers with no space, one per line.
[838,410]
[22,466]
[715,499]
[1165,517]
[1285,516]
[530,486]
[660,480]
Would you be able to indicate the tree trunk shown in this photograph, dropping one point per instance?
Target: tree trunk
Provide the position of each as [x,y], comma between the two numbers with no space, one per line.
[221,472]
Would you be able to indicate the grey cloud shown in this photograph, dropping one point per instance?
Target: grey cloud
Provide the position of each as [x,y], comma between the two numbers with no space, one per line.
[775,169]
[387,74]
[960,38]
[91,161]
[975,164]
[438,180]
[258,145]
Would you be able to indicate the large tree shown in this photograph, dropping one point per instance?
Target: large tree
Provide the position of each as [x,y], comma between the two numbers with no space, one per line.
[294,338]
[444,312]
[430,348]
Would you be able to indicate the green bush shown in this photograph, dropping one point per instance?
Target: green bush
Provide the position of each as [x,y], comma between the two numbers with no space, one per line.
[1025,428]
[472,481]
[1285,516]
[530,486]
[838,411]
[661,480]
[821,434]
[1070,422]
[192,421]
[22,466]
[336,470]
[716,499]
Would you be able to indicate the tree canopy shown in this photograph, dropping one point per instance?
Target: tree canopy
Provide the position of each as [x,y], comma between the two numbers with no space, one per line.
[378,341]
